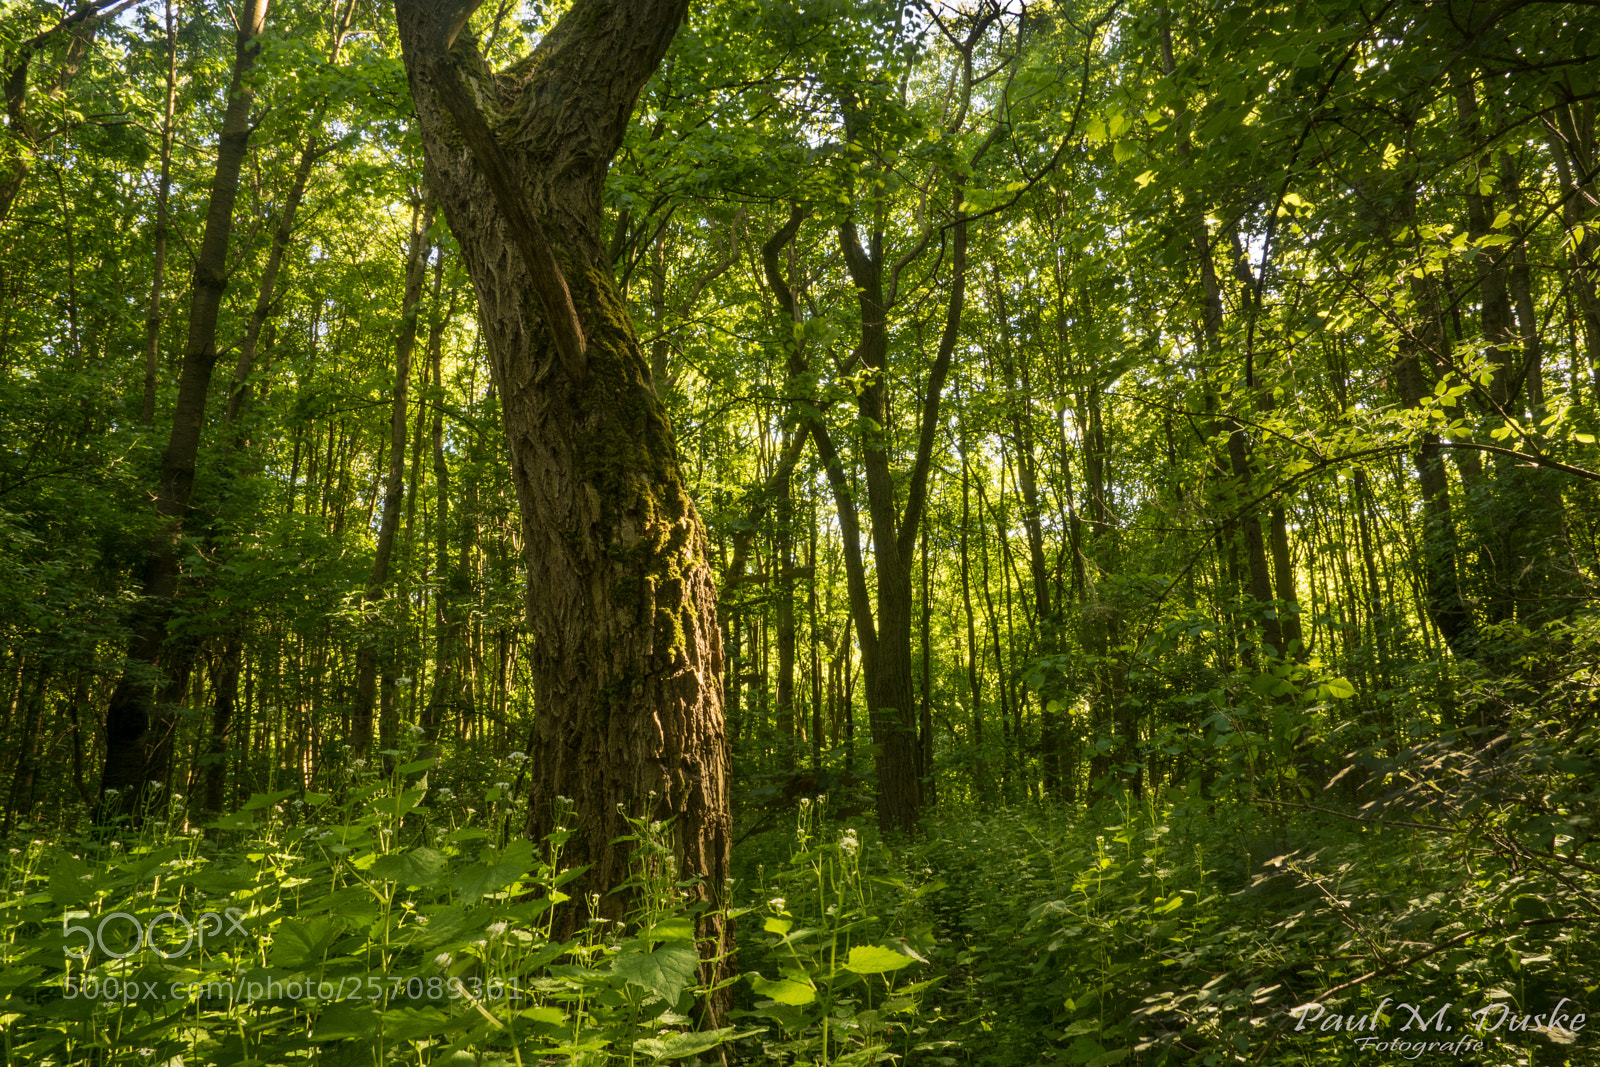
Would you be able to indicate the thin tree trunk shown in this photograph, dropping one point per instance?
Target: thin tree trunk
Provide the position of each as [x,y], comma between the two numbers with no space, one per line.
[376,638]
[788,716]
[815,633]
[983,785]
[158,275]
[925,715]
[24,768]
[135,742]
[222,711]
[453,585]
[883,619]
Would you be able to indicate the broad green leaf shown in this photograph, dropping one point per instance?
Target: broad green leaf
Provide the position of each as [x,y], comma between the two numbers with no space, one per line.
[666,972]
[784,990]
[419,867]
[297,943]
[677,1045]
[676,928]
[1338,689]
[875,959]
[346,1020]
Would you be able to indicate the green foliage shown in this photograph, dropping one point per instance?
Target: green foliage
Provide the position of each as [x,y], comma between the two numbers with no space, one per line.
[1189,932]
[314,928]
[835,936]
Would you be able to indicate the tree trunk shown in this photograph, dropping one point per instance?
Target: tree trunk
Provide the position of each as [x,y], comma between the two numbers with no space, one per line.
[376,635]
[158,273]
[982,785]
[626,656]
[25,768]
[135,744]
[883,621]
[222,711]
[783,580]
[453,587]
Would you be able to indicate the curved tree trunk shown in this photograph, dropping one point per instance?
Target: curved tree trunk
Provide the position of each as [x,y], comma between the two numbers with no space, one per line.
[626,654]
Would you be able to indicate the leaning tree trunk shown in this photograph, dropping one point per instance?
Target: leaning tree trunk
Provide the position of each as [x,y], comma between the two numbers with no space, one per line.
[626,655]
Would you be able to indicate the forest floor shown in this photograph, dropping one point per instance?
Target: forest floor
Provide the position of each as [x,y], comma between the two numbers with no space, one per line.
[400,921]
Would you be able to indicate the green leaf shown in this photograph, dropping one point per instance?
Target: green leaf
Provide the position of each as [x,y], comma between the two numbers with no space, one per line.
[666,972]
[1337,689]
[420,867]
[301,944]
[875,959]
[677,928]
[784,990]
[343,1019]
[412,1024]
[67,878]
[677,1045]
[480,879]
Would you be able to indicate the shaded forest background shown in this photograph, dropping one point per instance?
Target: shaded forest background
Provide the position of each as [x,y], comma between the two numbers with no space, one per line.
[1104,416]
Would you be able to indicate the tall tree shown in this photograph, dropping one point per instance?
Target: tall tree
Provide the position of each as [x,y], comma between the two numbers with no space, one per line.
[626,655]
[375,650]
[138,743]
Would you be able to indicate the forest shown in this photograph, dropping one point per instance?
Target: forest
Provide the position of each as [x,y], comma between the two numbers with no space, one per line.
[799,532]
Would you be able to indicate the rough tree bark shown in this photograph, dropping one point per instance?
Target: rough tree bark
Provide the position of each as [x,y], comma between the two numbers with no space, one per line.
[626,654]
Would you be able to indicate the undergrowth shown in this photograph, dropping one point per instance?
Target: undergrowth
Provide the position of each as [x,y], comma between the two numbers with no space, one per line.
[388,922]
